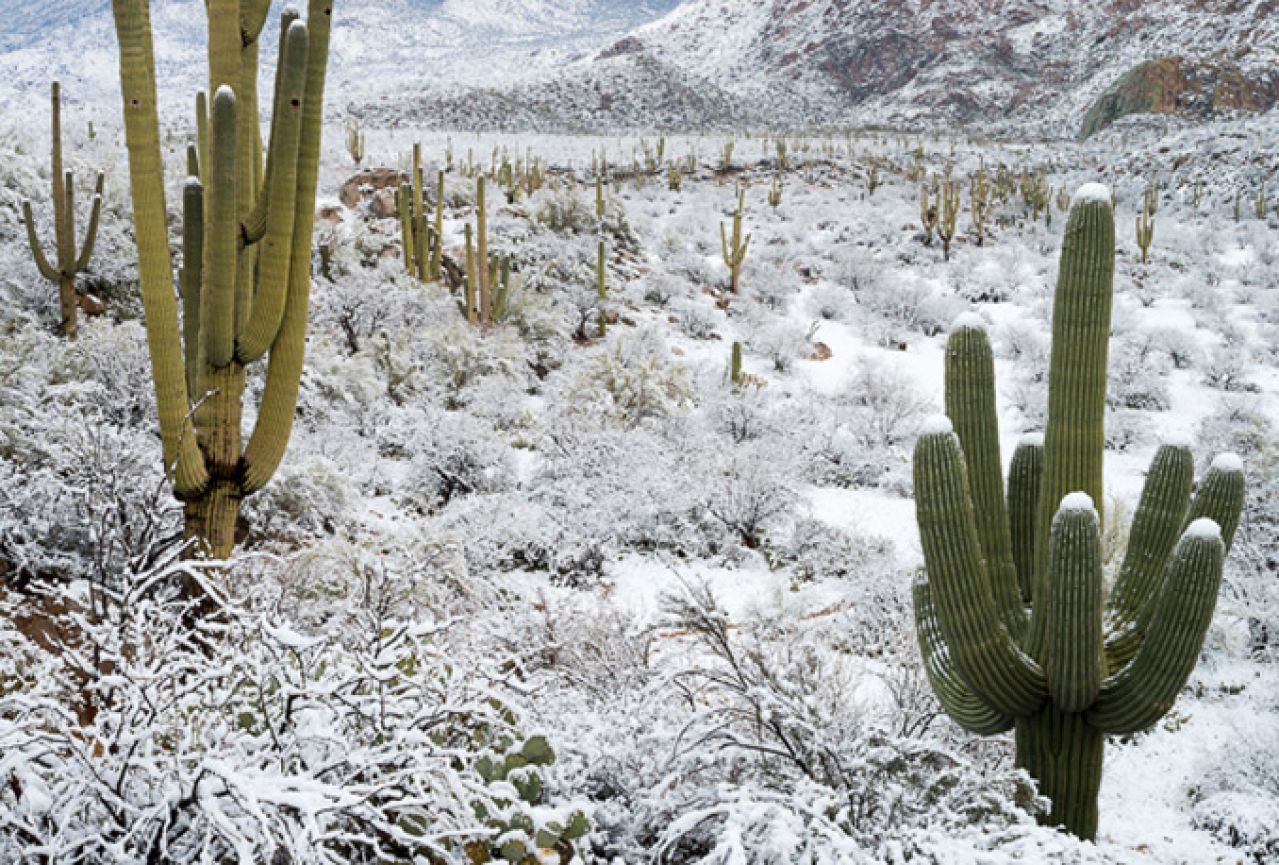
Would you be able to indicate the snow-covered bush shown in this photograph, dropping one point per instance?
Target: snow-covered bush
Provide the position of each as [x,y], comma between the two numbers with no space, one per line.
[629,380]
[257,739]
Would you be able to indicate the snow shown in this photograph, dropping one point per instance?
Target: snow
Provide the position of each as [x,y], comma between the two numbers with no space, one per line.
[1031,440]
[1228,462]
[1204,529]
[1177,440]
[1092,192]
[969,321]
[937,425]
[1078,502]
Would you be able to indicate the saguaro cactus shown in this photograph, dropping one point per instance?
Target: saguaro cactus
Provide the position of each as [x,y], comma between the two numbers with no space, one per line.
[68,263]
[1145,233]
[735,250]
[247,270]
[1009,612]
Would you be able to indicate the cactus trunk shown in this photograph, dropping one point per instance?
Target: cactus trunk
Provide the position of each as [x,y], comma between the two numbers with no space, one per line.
[1063,753]
[247,259]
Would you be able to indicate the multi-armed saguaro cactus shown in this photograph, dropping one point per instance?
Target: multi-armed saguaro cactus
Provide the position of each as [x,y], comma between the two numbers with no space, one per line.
[1010,613]
[247,268]
[68,262]
[735,251]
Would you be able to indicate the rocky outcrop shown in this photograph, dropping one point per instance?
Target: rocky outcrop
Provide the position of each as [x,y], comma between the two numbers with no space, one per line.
[1177,85]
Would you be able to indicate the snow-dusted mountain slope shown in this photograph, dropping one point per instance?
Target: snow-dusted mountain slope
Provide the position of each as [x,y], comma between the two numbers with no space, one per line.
[378,44]
[1034,64]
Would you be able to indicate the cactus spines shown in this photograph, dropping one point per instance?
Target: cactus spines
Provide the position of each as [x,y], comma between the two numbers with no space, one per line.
[1081,668]
[253,255]
[68,261]
[735,250]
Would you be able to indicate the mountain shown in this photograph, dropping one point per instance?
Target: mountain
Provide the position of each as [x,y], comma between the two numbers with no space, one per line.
[378,45]
[1034,65]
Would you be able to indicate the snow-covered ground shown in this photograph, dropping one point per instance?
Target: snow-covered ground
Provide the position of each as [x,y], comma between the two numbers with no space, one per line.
[572,509]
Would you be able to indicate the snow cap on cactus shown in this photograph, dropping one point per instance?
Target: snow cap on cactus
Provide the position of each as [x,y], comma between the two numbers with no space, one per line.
[968,321]
[1228,462]
[937,425]
[1093,192]
[1204,529]
[1031,440]
[1076,502]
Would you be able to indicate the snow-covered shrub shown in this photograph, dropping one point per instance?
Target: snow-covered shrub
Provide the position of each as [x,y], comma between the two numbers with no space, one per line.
[306,498]
[817,550]
[751,495]
[781,341]
[783,758]
[566,211]
[1138,377]
[696,320]
[629,380]
[451,454]
[258,739]
[1237,796]
[832,303]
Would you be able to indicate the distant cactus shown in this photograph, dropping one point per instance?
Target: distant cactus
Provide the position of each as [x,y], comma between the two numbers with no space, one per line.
[248,239]
[981,205]
[929,213]
[734,250]
[1079,665]
[873,178]
[355,141]
[1261,203]
[726,158]
[601,266]
[68,262]
[674,178]
[948,222]
[1145,233]
[482,263]
[775,193]
[735,365]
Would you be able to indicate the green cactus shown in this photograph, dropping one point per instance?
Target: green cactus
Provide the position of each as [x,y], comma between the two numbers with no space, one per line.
[734,251]
[929,213]
[981,204]
[1261,203]
[355,141]
[735,366]
[248,238]
[775,193]
[482,264]
[948,222]
[471,307]
[1145,233]
[1069,670]
[873,179]
[68,262]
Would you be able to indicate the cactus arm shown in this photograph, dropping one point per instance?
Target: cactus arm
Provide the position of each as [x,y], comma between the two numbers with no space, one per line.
[470,278]
[270,435]
[959,701]
[182,455]
[437,251]
[202,134]
[1140,694]
[1220,499]
[192,272]
[221,237]
[1156,526]
[984,654]
[970,405]
[1074,659]
[91,231]
[723,240]
[225,42]
[47,270]
[275,257]
[1024,477]
[62,208]
[253,15]
[482,251]
[1074,442]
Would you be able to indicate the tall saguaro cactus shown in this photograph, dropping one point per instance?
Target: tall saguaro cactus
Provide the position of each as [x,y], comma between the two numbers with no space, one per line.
[1010,612]
[246,276]
[68,262]
[736,247]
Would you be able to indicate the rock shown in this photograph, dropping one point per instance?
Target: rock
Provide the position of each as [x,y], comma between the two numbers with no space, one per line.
[331,215]
[362,186]
[1183,86]
[382,205]
[821,351]
[91,304]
